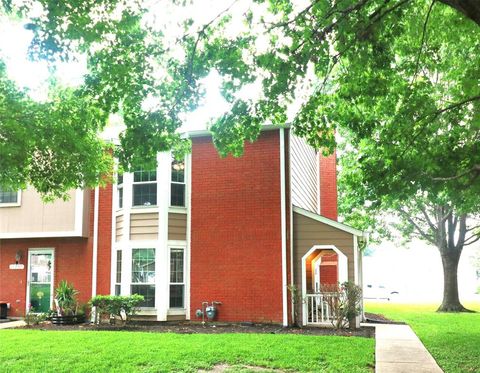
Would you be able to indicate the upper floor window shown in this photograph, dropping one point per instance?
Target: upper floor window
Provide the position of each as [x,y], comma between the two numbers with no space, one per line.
[9,197]
[145,188]
[120,191]
[177,186]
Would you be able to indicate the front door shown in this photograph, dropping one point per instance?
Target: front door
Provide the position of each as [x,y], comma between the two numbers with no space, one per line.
[40,280]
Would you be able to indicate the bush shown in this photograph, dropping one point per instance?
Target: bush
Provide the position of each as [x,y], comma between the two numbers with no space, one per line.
[66,297]
[34,318]
[344,301]
[115,305]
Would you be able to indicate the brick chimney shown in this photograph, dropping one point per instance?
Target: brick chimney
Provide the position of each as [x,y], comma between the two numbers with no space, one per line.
[328,186]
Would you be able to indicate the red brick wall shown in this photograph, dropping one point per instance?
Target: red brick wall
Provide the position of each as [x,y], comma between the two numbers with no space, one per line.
[73,260]
[328,186]
[104,240]
[236,238]
[329,270]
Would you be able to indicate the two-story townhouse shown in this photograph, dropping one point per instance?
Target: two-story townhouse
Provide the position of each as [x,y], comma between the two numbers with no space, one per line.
[237,231]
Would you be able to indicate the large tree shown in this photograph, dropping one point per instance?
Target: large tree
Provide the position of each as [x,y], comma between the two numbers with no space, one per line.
[395,75]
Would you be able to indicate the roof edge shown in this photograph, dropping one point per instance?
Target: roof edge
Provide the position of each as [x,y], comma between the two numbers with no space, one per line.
[203,133]
[330,222]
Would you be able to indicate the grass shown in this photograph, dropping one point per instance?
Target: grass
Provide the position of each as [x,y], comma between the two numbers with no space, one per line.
[452,339]
[92,351]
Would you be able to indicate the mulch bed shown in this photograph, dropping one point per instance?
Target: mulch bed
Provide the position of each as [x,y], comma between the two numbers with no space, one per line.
[210,328]
[376,318]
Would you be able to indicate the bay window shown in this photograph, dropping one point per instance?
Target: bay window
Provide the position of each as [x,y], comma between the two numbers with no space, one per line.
[120,191]
[177,278]
[118,273]
[143,275]
[145,188]
[177,185]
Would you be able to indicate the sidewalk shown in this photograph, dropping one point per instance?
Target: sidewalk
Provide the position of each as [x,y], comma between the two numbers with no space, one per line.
[399,350]
[12,324]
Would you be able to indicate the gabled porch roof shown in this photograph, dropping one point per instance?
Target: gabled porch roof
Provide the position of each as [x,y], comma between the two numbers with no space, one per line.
[330,222]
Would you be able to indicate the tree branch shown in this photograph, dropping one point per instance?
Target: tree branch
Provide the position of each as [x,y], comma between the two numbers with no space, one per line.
[475,169]
[426,236]
[424,35]
[428,220]
[462,232]
[471,240]
[469,8]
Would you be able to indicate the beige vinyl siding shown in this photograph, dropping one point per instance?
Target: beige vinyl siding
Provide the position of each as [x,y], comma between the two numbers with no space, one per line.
[308,233]
[177,226]
[35,216]
[119,223]
[304,174]
[144,226]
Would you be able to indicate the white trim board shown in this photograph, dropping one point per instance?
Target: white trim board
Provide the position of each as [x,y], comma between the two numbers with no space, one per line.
[283,225]
[330,222]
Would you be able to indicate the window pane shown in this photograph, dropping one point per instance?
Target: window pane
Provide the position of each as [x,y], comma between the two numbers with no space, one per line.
[119,267]
[119,179]
[8,196]
[145,194]
[178,171]
[176,296]
[120,197]
[176,266]
[143,175]
[177,195]
[148,292]
[117,289]
[143,266]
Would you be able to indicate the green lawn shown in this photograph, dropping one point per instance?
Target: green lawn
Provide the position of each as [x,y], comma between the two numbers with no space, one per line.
[91,351]
[452,339]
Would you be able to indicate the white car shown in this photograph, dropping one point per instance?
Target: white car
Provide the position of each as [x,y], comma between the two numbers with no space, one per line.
[372,291]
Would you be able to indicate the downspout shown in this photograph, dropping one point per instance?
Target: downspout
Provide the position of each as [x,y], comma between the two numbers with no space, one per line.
[283,224]
[95,248]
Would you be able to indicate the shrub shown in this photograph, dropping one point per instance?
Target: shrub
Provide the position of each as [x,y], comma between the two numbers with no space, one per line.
[344,301]
[34,318]
[115,305]
[66,297]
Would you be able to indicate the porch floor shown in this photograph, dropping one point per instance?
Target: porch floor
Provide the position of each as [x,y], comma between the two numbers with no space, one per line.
[399,350]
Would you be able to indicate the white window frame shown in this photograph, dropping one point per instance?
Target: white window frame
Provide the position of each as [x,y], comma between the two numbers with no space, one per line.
[154,283]
[140,183]
[184,283]
[13,204]
[184,183]
[118,283]
[120,187]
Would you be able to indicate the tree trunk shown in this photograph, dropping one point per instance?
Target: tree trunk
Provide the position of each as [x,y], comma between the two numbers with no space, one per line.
[451,301]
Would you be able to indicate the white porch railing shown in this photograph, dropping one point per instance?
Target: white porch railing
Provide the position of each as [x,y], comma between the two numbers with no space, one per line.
[317,310]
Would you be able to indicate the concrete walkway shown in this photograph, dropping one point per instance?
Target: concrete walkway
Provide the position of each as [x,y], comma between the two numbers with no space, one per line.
[399,350]
[12,324]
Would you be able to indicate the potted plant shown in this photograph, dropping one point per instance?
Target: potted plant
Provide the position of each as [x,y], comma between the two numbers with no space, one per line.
[66,305]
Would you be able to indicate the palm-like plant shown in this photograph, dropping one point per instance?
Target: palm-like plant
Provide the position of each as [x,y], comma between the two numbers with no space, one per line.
[66,297]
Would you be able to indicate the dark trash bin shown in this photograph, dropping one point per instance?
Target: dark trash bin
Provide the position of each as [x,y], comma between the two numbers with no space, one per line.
[3,310]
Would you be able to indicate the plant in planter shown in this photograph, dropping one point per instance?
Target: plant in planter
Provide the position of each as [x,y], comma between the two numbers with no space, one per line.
[67,305]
